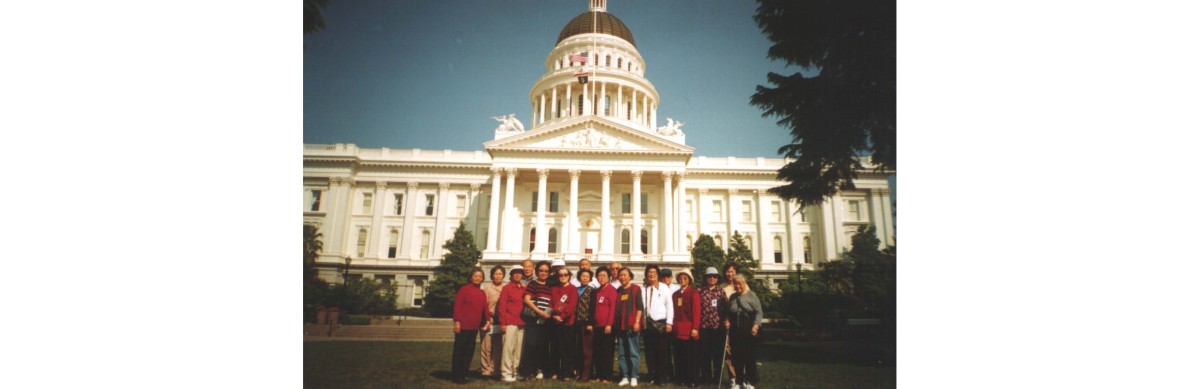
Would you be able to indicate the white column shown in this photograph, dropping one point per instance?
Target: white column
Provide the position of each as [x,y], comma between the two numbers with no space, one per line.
[829,237]
[509,228]
[680,236]
[606,233]
[348,247]
[494,211]
[472,214]
[542,114]
[540,241]
[795,247]
[654,116]
[734,216]
[888,220]
[554,103]
[633,100]
[570,102]
[587,101]
[620,106]
[666,218]
[410,231]
[635,252]
[703,212]
[334,217]
[571,232]
[601,100]
[645,111]
[374,241]
[766,242]
[441,209]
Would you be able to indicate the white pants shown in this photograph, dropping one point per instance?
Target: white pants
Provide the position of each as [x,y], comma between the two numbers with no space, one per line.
[513,337]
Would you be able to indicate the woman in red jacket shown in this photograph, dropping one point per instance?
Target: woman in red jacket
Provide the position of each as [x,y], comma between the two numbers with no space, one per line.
[511,323]
[563,299]
[603,303]
[686,302]
[470,315]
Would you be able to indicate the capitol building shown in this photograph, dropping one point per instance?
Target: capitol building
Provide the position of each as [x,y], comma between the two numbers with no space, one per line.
[594,175]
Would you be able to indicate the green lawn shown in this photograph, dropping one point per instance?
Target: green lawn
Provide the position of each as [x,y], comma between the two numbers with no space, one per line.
[387,364]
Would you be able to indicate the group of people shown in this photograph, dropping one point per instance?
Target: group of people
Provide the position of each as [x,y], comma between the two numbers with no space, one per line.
[561,325]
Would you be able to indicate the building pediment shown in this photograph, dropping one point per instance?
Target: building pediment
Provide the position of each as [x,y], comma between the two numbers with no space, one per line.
[590,135]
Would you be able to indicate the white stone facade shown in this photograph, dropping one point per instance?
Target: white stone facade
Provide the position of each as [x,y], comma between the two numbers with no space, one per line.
[392,209]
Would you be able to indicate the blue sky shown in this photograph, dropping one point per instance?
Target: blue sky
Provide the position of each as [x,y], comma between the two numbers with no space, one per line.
[431,74]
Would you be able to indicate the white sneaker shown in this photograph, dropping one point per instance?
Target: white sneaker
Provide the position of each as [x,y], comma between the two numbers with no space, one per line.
[509,379]
[539,376]
[633,382]
[733,385]
[624,381]
[747,386]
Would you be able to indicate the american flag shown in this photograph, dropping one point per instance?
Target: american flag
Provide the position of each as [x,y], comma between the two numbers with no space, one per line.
[581,57]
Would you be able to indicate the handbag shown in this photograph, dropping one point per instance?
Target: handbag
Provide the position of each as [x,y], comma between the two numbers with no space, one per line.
[652,326]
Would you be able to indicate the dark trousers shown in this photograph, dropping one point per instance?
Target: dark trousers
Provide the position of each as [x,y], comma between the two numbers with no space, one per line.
[605,348]
[745,354]
[464,350]
[687,361]
[658,355]
[583,362]
[534,351]
[567,350]
[712,350]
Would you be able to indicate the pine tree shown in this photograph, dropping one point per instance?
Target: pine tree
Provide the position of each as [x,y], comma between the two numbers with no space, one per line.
[312,249]
[460,258]
[705,254]
[874,274]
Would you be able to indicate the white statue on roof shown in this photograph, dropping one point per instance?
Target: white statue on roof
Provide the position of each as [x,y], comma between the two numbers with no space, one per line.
[509,123]
[671,129]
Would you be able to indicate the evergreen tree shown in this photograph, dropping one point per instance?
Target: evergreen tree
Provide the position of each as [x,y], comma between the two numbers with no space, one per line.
[460,258]
[705,254]
[842,105]
[312,249]
[874,275]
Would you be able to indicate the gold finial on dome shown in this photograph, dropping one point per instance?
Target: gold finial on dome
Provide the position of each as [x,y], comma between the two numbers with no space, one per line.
[597,5]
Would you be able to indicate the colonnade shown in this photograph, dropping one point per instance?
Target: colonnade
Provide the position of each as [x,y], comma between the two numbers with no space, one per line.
[550,105]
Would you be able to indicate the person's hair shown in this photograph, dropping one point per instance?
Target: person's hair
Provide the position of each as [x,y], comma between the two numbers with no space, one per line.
[527,260]
[691,282]
[473,271]
[741,279]
[539,265]
[626,270]
[605,271]
[579,275]
[652,266]
[729,265]
[495,268]
[584,259]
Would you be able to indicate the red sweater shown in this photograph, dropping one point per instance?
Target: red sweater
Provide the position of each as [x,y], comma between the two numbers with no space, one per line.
[562,300]
[605,304]
[687,312]
[511,303]
[470,307]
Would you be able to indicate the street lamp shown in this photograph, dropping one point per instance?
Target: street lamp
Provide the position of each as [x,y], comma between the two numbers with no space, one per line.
[345,281]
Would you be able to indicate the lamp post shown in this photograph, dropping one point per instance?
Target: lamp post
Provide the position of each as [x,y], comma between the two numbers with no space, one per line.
[345,281]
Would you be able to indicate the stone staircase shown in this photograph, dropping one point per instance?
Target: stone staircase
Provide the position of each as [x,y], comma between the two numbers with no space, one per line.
[410,329]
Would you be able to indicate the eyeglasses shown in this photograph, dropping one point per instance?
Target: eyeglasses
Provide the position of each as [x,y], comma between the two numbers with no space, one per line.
[563,275]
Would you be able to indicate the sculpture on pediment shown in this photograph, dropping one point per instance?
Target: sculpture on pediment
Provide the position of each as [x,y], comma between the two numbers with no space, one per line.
[671,129]
[509,123]
[591,138]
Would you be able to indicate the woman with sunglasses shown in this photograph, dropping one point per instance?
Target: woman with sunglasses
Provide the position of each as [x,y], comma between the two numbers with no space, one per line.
[563,298]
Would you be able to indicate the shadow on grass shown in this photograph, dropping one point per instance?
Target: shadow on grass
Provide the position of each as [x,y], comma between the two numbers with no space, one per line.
[829,352]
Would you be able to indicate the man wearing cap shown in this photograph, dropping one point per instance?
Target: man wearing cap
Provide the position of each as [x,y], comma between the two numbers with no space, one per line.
[713,306]
[665,276]
[511,324]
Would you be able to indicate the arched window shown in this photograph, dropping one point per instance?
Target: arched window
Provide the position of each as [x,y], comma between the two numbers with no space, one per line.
[720,243]
[425,244]
[580,99]
[392,239]
[554,240]
[532,238]
[807,250]
[778,250]
[608,60]
[607,109]
[690,242]
[362,242]
[624,241]
[618,63]
[645,242]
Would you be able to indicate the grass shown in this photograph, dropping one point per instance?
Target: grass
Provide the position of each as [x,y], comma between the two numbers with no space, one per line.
[389,364]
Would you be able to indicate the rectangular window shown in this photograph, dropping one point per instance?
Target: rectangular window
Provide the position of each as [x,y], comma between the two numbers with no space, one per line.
[362,242]
[399,206]
[645,203]
[553,205]
[430,201]
[366,204]
[717,211]
[691,216]
[852,209]
[314,200]
[625,199]
[747,215]
[775,212]
[533,205]
[418,289]
[425,239]
[807,250]
[393,239]
[462,205]
[778,250]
